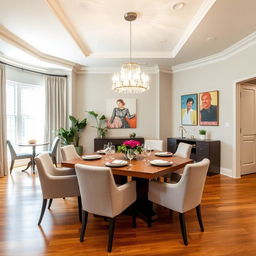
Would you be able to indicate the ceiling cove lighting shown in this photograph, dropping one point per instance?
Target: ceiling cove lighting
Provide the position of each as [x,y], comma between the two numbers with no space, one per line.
[131,79]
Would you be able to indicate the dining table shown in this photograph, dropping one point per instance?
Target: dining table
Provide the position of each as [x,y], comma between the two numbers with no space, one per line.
[33,145]
[140,170]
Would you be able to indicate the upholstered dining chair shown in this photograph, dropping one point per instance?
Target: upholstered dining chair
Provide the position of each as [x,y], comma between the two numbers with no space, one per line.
[56,182]
[184,195]
[183,150]
[154,144]
[101,196]
[68,153]
[15,156]
[53,150]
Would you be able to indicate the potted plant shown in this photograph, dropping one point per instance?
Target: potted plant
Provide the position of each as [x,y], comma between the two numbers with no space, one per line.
[100,124]
[72,135]
[202,133]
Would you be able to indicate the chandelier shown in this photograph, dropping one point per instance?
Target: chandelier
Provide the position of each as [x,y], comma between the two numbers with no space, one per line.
[130,79]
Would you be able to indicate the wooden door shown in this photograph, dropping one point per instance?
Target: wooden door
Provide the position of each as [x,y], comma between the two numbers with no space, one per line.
[248,129]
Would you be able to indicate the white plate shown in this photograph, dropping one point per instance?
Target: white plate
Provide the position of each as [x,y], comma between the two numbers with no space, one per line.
[102,152]
[91,157]
[161,162]
[116,163]
[163,154]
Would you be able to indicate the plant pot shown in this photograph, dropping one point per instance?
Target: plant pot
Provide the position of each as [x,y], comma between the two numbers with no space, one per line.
[203,136]
[79,150]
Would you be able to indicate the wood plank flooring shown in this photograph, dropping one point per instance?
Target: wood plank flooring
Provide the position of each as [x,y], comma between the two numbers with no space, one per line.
[228,209]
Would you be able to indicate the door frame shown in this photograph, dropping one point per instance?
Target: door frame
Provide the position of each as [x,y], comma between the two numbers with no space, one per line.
[236,173]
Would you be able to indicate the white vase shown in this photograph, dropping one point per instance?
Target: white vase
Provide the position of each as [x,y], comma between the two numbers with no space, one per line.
[202,136]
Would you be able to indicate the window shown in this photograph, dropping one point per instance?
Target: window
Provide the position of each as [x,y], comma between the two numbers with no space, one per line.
[25,112]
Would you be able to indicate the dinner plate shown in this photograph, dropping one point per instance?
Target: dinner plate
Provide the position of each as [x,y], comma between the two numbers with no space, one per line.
[116,163]
[91,157]
[161,163]
[102,152]
[163,154]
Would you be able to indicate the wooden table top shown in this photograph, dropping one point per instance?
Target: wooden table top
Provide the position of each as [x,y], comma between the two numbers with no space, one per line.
[139,167]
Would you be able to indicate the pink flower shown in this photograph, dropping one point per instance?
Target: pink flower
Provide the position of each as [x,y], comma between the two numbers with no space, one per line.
[131,143]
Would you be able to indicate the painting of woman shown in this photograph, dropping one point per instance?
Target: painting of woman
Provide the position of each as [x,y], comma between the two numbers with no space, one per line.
[121,116]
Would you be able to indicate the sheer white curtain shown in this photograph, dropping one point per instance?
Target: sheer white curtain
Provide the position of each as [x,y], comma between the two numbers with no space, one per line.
[3,150]
[56,105]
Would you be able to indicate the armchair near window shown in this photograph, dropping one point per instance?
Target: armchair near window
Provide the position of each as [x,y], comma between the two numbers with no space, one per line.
[184,195]
[100,195]
[15,156]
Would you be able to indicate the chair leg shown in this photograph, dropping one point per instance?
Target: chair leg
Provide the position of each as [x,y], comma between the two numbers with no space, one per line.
[42,211]
[54,160]
[133,216]
[111,233]
[79,208]
[199,217]
[183,227]
[84,223]
[11,167]
[50,203]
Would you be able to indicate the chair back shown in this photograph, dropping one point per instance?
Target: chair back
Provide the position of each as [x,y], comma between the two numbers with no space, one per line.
[45,167]
[54,146]
[97,189]
[12,151]
[183,150]
[68,153]
[154,144]
[191,185]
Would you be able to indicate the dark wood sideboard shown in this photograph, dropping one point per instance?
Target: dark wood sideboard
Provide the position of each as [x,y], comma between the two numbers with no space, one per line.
[200,149]
[117,141]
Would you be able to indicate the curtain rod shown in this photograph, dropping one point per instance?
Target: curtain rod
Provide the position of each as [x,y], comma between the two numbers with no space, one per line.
[28,70]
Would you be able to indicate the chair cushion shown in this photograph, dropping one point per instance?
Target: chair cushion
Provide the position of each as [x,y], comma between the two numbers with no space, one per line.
[23,155]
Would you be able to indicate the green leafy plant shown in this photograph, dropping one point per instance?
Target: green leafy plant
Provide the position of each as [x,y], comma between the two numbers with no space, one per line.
[72,135]
[100,123]
[202,132]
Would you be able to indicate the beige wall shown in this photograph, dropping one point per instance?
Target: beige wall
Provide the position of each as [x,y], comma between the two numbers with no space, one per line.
[220,76]
[91,92]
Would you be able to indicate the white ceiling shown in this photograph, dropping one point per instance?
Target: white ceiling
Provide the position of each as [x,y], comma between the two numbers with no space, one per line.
[94,33]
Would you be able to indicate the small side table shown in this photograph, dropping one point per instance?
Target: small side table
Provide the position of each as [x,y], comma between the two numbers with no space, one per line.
[32,162]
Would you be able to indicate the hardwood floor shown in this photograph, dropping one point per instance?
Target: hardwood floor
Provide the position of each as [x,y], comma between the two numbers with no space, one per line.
[228,210]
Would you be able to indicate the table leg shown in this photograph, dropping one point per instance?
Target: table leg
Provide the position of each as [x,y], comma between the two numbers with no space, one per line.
[33,159]
[144,208]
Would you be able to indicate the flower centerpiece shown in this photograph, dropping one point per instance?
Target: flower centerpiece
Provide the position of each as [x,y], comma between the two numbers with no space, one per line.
[133,146]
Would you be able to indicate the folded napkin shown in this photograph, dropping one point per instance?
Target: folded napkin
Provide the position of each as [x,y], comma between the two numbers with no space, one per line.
[117,162]
[164,153]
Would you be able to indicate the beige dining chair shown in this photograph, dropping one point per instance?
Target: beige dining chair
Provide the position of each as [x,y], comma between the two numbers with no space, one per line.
[68,153]
[184,151]
[56,182]
[154,144]
[101,196]
[184,195]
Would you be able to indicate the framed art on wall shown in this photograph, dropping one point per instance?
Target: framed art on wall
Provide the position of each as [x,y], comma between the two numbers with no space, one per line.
[121,113]
[189,109]
[209,108]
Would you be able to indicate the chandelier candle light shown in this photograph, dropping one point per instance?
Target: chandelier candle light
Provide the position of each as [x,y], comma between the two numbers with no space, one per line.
[130,79]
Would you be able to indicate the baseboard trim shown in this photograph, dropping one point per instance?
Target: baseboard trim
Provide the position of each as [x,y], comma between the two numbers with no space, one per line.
[227,172]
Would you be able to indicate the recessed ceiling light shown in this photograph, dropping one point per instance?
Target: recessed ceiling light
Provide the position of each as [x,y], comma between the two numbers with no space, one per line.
[178,5]
[209,38]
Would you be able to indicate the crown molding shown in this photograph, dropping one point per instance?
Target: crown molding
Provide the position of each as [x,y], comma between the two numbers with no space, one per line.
[223,55]
[126,55]
[54,5]
[111,70]
[21,65]
[14,40]
[202,11]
